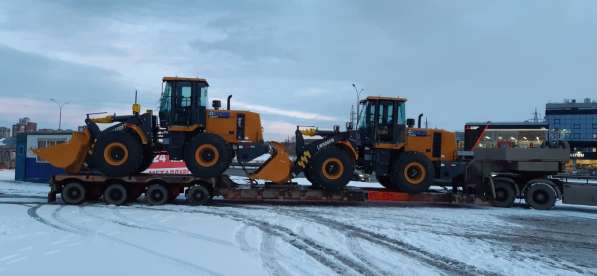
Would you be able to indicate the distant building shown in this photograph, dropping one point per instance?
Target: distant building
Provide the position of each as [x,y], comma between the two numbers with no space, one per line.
[7,153]
[25,125]
[504,134]
[576,123]
[4,132]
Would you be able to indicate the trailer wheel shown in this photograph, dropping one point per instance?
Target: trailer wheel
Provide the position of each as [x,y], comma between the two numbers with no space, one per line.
[157,194]
[541,195]
[331,169]
[207,155]
[198,195]
[505,194]
[413,173]
[115,194]
[73,193]
[117,154]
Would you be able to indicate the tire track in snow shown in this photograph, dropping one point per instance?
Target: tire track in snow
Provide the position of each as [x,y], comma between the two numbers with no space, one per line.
[186,264]
[446,264]
[145,227]
[33,213]
[329,257]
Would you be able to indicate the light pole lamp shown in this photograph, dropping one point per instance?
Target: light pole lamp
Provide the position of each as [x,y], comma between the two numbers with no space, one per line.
[60,106]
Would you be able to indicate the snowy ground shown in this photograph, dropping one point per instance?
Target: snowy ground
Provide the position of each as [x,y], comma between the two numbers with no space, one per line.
[36,238]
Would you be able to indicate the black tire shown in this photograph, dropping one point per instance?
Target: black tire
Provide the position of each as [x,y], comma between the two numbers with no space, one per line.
[412,173]
[157,194]
[116,194]
[198,195]
[505,193]
[148,157]
[73,193]
[386,181]
[541,194]
[331,169]
[207,155]
[117,154]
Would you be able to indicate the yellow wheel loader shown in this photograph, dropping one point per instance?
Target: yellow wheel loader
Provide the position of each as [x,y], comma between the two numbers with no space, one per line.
[403,158]
[206,139]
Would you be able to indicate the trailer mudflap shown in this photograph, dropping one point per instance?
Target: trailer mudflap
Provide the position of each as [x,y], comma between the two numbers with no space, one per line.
[52,193]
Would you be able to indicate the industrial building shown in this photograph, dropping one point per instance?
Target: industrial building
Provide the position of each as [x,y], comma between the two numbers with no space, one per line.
[575,122]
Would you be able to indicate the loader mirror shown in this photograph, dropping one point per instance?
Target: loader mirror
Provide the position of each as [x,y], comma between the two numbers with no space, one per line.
[410,122]
[216,104]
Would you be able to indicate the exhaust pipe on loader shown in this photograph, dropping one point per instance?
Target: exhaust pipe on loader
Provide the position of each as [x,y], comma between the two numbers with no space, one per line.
[69,156]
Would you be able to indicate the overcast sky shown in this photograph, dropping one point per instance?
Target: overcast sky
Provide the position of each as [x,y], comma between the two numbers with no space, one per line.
[295,61]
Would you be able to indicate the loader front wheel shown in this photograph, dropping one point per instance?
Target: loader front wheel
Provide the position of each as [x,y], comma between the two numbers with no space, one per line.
[118,154]
[331,169]
[412,173]
[207,155]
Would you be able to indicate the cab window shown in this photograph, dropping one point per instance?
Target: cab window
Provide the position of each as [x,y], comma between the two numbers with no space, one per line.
[166,96]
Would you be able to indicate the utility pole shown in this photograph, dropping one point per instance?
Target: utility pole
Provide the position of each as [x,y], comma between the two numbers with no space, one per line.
[358,93]
[60,106]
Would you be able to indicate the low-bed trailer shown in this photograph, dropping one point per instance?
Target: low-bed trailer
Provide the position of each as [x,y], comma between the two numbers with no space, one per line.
[163,188]
[496,176]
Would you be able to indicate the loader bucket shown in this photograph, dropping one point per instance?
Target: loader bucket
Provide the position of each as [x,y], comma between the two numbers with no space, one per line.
[68,156]
[277,168]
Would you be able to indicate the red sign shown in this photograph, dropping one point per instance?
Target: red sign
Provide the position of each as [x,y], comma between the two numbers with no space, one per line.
[163,165]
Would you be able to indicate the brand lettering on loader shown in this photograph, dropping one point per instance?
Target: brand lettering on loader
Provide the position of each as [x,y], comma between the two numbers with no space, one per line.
[325,144]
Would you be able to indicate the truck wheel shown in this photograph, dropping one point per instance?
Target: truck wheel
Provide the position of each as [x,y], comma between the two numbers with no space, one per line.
[412,173]
[198,195]
[541,195]
[115,194]
[117,154]
[331,169]
[157,194]
[207,155]
[505,194]
[73,193]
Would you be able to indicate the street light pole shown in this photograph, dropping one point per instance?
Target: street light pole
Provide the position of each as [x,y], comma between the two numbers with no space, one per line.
[358,93]
[60,106]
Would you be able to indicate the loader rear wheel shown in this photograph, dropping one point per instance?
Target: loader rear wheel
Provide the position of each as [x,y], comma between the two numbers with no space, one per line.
[73,193]
[157,194]
[207,155]
[147,159]
[331,169]
[385,181]
[115,194]
[412,173]
[118,154]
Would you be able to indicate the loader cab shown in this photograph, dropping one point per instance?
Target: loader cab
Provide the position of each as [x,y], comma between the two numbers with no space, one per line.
[382,120]
[183,101]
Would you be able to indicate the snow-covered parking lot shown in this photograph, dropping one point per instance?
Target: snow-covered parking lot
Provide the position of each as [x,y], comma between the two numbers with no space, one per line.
[39,238]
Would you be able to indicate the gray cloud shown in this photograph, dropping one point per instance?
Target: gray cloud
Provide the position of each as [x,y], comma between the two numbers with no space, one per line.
[456,61]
